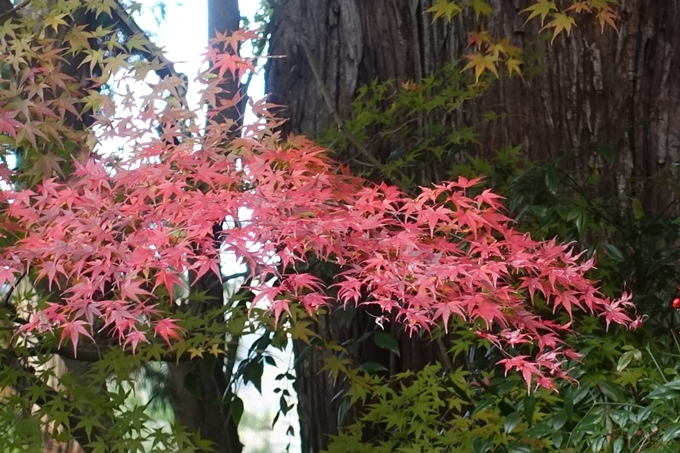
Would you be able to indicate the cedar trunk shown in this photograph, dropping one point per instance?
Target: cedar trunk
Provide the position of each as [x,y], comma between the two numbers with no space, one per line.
[590,88]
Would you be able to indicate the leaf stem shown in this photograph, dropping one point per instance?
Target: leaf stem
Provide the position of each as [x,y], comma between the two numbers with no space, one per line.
[663,376]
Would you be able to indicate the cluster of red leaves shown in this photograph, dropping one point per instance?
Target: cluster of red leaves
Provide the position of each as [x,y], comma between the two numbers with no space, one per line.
[109,237]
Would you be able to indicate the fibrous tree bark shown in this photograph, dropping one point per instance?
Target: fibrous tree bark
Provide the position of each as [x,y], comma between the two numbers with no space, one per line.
[586,89]
[594,87]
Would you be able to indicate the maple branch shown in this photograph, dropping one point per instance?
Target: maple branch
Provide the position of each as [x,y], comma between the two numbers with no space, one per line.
[127,25]
[148,51]
[447,365]
[244,274]
[94,353]
[446,361]
[8,13]
[8,298]
[340,123]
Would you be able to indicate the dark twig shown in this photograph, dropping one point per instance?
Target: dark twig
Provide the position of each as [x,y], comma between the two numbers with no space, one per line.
[14,10]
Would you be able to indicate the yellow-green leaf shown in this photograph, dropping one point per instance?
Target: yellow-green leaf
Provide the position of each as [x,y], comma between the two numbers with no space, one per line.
[481,63]
[196,352]
[55,20]
[513,65]
[638,210]
[478,38]
[504,48]
[137,42]
[541,8]
[215,349]
[561,22]
[444,8]
[301,331]
[481,8]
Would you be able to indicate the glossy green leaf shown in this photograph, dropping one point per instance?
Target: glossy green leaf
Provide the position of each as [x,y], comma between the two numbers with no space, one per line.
[613,252]
[607,151]
[552,180]
[568,402]
[559,420]
[386,341]
[669,390]
[236,409]
[519,448]
[638,210]
[670,433]
[372,367]
[529,406]
[511,421]
[557,439]
[612,391]
[624,361]
[540,430]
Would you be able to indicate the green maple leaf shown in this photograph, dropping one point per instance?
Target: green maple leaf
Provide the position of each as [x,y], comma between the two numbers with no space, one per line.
[561,22]
[137,42]
[54,21]
[630,376]
[444,8]
[104,6]
[542,8]
[481,8]
[513,65]
[47,165]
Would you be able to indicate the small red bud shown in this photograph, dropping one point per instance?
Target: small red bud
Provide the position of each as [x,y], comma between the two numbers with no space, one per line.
[676,303]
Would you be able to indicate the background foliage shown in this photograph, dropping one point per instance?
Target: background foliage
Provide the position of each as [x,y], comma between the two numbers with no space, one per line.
[626,399]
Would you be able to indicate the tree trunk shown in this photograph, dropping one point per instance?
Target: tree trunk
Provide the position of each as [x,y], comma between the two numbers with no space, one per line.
[591,88]
[585,90]
[200,389]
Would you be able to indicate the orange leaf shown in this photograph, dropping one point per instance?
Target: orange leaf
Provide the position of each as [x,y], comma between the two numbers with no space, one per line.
[579,7]
[607,16]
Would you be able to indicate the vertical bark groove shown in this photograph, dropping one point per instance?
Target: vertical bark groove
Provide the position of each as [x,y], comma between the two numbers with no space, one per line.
[590,88]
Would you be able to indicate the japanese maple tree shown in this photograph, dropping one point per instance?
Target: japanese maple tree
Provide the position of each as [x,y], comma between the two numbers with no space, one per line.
[116,239]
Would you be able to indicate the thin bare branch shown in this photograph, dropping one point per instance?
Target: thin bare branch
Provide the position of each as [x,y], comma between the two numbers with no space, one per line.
[9,13]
